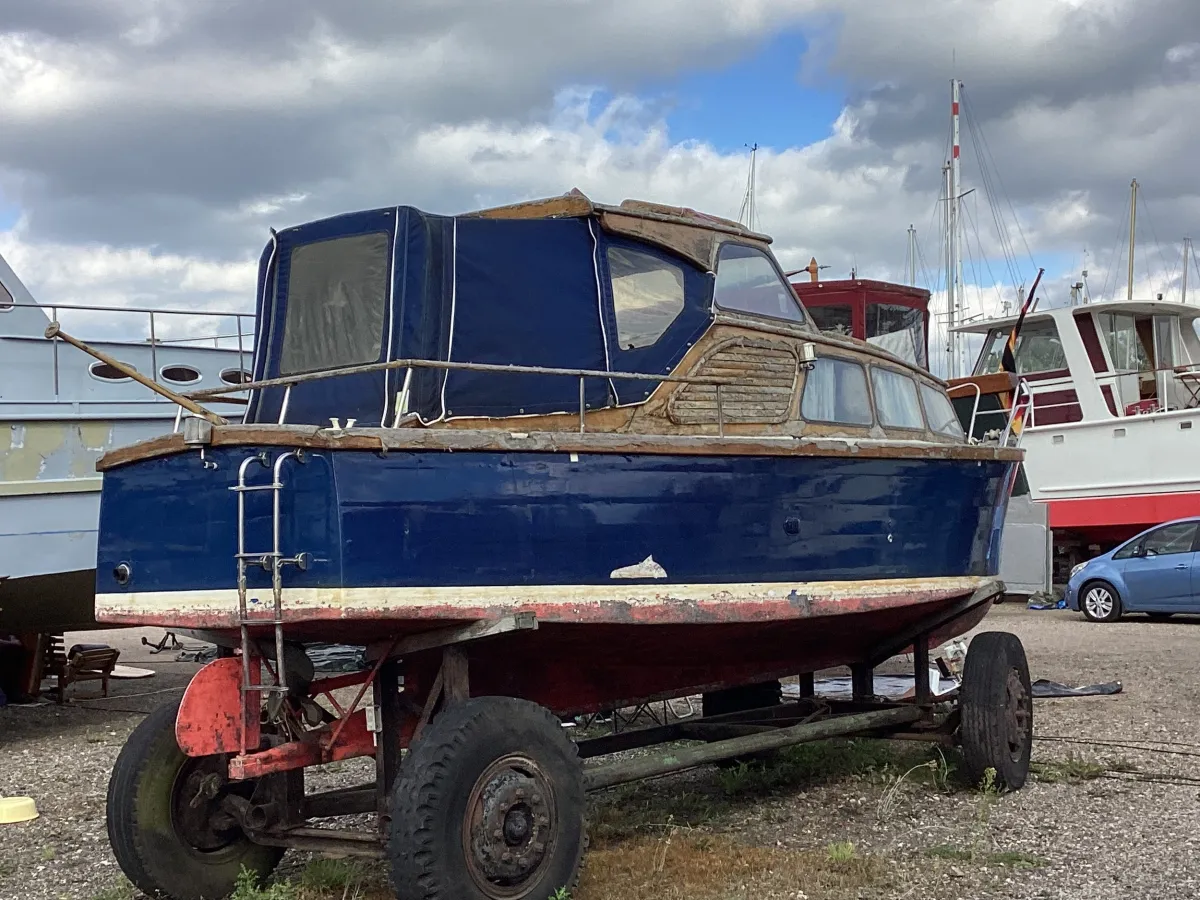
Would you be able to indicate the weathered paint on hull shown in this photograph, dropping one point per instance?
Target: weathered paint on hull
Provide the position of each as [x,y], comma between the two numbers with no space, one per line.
[427,520]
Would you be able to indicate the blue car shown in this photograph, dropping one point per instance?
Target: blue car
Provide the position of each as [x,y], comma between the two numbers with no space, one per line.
[1157,572]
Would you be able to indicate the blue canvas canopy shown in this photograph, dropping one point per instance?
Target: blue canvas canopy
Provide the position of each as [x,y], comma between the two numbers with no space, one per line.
[569,291]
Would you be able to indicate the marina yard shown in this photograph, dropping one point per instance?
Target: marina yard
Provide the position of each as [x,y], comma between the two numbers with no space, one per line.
[1111,809]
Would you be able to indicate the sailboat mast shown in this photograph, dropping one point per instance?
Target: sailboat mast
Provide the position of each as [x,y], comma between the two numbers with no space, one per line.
[1187,247]
[912,257]
[1133,186]
[951,337]
[954,253]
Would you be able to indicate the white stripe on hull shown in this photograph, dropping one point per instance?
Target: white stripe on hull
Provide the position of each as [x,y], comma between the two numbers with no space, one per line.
[423,602]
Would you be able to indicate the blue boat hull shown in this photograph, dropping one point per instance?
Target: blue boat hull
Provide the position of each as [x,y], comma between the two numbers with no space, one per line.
[429,519]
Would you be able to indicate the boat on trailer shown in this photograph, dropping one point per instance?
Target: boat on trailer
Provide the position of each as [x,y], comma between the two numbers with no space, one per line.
[540,460]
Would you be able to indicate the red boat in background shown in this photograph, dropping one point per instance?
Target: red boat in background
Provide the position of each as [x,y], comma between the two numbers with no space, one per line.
[892,316]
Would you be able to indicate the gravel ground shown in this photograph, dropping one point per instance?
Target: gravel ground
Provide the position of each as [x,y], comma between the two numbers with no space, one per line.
[1129,828]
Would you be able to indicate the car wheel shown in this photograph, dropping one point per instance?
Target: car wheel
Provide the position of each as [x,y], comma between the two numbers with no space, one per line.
[1099,602]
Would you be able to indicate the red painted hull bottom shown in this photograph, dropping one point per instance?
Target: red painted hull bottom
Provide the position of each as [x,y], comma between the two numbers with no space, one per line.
[574,668]
[577,659]
[1110,520]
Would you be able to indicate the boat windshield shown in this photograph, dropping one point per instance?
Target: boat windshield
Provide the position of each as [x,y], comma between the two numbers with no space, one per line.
[747,281]
[1038,349]
[1126,342]
[833,318]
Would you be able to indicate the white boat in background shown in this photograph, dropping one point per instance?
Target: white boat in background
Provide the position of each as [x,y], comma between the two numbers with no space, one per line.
[1112,436]
[60,410]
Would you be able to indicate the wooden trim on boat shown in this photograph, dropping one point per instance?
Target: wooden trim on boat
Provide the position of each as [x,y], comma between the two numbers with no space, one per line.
[995,383]
[493,440]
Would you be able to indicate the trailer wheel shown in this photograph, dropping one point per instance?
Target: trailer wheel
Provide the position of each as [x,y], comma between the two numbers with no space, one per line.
[166,824]
[996,704]
[488,805]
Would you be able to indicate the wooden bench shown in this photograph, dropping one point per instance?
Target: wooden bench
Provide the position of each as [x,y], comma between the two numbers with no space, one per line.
[86,662]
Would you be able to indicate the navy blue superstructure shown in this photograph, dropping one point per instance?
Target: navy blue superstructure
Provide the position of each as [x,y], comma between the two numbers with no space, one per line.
[534,292]
[411,519]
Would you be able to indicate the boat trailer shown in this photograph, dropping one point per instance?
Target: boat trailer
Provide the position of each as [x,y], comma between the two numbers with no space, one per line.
[479,796]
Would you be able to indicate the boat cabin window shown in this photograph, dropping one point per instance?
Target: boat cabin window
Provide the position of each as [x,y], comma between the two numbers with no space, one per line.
[647,295]
[896,399]
[834,318]
[836,391]
[747,281]
[336,299]
[897,329]
[939,412]
[1038,349]
[1126,342]
[6,300]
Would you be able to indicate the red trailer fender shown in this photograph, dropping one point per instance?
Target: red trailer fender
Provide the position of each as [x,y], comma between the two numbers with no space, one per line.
[211,718]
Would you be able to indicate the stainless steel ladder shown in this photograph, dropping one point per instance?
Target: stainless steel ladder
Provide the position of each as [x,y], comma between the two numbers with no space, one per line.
[272,561]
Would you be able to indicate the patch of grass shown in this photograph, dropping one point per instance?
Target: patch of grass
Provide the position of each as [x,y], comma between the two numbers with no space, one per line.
[822,762]
[1075,769]
[1013,858]
[48,854]
[249,887]
[715,867]
[330,874]
[841,853]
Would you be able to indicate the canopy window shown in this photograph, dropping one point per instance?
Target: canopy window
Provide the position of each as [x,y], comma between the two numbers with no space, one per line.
[647,296]
[337,300]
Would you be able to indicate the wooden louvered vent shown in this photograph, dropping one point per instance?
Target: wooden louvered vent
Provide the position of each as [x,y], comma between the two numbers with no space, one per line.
[766,374]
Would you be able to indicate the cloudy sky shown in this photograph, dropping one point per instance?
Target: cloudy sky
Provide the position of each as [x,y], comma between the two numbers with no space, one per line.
[147,145]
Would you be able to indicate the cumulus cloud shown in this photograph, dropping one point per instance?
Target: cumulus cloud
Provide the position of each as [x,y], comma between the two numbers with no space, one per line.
[148,144]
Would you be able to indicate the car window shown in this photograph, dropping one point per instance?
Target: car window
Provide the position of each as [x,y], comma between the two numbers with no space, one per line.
[1171,539]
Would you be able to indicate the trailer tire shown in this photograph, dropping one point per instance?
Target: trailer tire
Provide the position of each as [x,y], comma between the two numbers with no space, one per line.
[761,695]
[146,828]
[996,706]
[488,804]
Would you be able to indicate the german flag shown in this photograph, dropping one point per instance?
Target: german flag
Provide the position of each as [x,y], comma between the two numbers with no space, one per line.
[1008,360]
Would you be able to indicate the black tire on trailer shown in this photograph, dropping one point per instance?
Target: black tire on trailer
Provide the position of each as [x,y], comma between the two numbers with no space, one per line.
[760,695]
[996,705]
[166,846]
[488,805]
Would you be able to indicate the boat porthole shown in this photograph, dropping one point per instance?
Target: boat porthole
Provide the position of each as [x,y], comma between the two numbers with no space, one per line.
[104,372]
[791,525]
[179,374]
[236,376]
[122,573]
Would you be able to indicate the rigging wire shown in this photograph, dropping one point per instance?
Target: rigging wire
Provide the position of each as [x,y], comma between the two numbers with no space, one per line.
[1169,272]
[996,190]
[1117,254]
[987,264]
